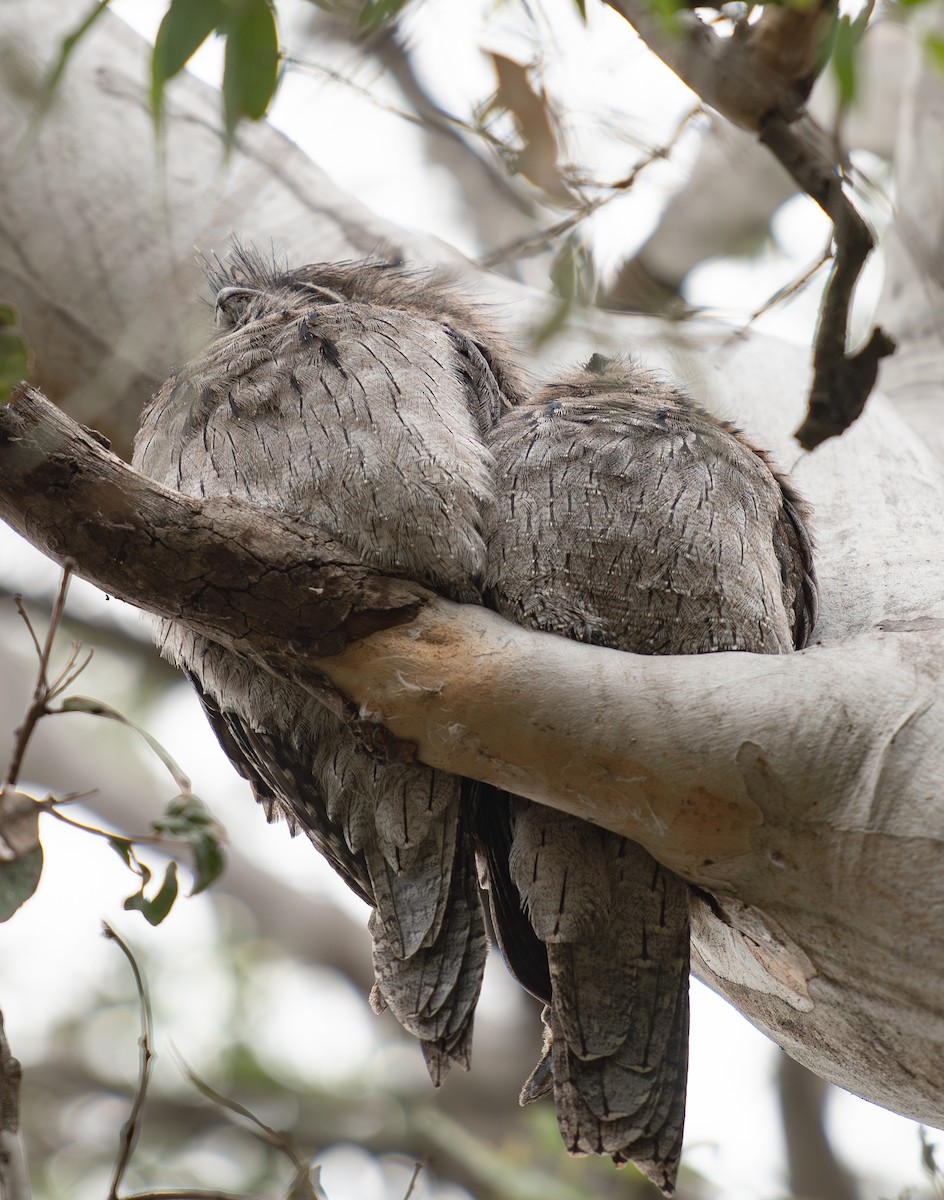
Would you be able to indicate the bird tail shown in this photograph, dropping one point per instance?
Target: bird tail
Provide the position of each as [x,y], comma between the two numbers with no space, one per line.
[614,925]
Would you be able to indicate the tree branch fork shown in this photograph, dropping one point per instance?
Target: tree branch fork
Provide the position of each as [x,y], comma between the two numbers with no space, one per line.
[740,772]
[759,79]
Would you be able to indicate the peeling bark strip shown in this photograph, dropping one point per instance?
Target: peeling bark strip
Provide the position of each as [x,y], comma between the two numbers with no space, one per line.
[269,586]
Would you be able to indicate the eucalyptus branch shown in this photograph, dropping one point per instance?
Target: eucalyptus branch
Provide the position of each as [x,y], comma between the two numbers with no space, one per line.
[841,382]
[759,78]
[766,66]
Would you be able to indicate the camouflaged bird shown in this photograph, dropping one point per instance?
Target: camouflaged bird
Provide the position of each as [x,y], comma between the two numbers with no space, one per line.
[624,516]
[356,396]
[377,406]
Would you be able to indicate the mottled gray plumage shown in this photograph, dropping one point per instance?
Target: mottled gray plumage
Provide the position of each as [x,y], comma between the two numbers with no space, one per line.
[607,509]
[626,517]
[356,396]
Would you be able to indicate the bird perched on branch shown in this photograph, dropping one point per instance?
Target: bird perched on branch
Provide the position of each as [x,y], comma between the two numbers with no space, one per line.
[378,407]
[627,517]
[356,396]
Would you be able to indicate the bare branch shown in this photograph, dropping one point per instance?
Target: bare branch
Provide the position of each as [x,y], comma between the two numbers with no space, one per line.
[841,382]
[278,1140]
[131,1128]
[759,78]
[148,542]
[43,691]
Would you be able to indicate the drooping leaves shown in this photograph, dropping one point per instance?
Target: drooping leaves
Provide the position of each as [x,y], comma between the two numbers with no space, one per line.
[186,26]
[98,708]
[251,65]
[251,57]
[188,820]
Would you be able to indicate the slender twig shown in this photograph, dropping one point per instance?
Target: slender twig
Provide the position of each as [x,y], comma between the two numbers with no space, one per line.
[442,120]
[14,1177]
[277,1139]
[70,672]
[39,705]
[51,805]
[131,1128]
[797,284]
[417,1167]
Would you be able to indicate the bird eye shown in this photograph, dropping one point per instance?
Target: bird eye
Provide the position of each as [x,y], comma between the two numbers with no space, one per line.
[232,304]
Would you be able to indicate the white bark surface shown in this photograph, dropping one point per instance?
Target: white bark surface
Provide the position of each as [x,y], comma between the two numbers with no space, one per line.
[802,791]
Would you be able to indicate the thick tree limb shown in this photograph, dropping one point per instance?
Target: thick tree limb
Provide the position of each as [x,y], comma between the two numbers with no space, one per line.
[814,1171]
[806,820]
[768,66]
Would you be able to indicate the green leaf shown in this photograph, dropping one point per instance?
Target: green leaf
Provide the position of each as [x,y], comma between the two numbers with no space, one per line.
[251,62]
[19,878]
[375,14]
[186,26]
[209,862]
[15,357]
[845,50]
[187,819]
[123,848]
[98,708]
[582,9]
[183,816]
[154,911]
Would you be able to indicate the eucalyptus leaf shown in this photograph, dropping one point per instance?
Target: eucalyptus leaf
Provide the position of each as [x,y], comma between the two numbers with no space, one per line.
[19,878]
[186,26]
[251,61]
[154,911]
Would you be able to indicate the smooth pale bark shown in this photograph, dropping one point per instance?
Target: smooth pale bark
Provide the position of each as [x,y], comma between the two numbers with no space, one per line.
[802,791]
